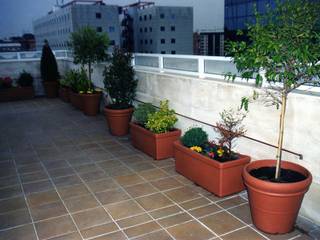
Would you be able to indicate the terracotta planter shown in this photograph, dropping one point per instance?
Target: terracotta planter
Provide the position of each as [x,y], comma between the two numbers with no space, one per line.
[16,93]
[222,179]
[76,100]
[51,88]
[158,146]
[118,120]
[64,94]
[275,206]
[91,103]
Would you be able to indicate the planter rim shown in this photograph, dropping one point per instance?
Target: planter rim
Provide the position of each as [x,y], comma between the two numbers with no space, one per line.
[155,135]
[90,94]
[222,165]
[106,109]
[277,189]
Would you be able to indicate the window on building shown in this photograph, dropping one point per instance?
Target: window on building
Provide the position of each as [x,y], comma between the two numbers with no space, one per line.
[141,41]
[146,41]
[173,40]
[163,41]
[150,16]
[145,17]
[141,30]
[150,29]
[112,29]
[173,28]
[112,43]
[98,15]
[99,29]
[162,28]
[140,18]
[151,41]
[145,29]
[173,52]
[162,15]
[163,52]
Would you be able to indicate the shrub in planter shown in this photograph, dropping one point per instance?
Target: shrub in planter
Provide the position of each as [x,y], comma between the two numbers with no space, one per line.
[213,166]
[121,85]
[49,71]
[142,112]
[157,135]
[285,44]
[65,85]
[25,79]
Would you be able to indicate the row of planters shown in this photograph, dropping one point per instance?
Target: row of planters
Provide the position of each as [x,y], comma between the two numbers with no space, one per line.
[20,89]
[275,187]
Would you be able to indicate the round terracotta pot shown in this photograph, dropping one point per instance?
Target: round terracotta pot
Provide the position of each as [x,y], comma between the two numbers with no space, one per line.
[76,100]
[51,88]
[118,120]
[64,93]
[275,206]
[91,103]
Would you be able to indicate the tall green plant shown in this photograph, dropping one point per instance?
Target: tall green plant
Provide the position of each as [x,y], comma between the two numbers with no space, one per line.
[89,47]
[119,80]
[48,64]
[285,44]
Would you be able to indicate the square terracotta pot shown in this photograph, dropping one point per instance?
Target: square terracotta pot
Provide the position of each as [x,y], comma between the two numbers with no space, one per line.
[76,100]
[16,93]
[158,146]
[222,179]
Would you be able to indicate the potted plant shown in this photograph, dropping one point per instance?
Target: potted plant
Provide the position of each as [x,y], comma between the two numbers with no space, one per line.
[153,131]
[25,86]
[49,71]
[64,89]
[121,85]
[78,84]
[285,43]
[89,47]
[213,166]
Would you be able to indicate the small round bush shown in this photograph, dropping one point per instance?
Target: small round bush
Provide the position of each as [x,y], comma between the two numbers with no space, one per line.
[142,111]
[194,137]
[25,79]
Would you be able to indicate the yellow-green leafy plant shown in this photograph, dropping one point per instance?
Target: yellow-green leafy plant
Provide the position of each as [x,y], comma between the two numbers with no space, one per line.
[163,120]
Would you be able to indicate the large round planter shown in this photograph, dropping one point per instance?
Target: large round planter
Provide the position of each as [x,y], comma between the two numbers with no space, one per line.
[158,146]
[275,206]
[64,94]
[118,120]
[76,100]
[51,88]
[91,103]
[220,178]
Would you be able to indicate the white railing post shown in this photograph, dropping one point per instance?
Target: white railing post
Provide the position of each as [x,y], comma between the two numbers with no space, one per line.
[262,73]
[201,67]
[161,63]
[18,56]
[133,60]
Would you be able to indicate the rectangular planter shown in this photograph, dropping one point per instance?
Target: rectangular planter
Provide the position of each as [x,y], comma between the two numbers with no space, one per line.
[222,179]
[16,93]
[158,146]
[76,100]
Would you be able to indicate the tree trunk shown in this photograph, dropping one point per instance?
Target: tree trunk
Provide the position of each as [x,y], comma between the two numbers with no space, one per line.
[281,133]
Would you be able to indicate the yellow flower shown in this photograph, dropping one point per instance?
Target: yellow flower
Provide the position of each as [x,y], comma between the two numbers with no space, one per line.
[196,149]
[81,92]
[220,152]
[89,91]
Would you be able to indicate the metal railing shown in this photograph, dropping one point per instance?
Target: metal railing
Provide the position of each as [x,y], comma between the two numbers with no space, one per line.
[32,55]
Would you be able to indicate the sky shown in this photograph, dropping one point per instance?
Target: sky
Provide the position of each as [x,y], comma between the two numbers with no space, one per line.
[17,15]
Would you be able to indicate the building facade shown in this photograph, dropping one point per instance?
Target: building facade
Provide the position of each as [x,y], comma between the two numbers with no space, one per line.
[58,24]
[208,43]
[158,29]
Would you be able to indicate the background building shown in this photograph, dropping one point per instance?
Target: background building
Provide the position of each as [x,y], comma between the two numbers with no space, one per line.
[147,28]
[208,43]
[57,25]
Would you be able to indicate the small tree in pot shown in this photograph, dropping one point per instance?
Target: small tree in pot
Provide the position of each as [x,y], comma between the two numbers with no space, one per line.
[121,85]
[89,47]
[285,43]
[49,71]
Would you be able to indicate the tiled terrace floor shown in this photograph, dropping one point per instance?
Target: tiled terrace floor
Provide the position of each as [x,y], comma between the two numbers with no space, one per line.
[62,176]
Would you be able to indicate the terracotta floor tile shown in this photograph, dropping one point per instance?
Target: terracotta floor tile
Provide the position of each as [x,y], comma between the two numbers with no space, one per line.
[129,180]
[190,231]
[73,191]
[112,236]
[55,227]
[142,229]
[9,182]
[91,217]
[102,185]
[35,187]
[205,210]
[286,236]
[112,196]
[181,194]
[46,211]
[69,236]
[14,218]
[141,190]
[81,203]
[99,230]
[12,204]
[174,220]
[124,209]
[34,177]
[163,212]
[170,170]
[244,233]
[67,181]
[25,232]
[37,199]
[166,183]
[86,168]
[153,174]
[154,201]
[55,164]
[61,172]
[9,192]
[221,223]
[142,166]
[194,203]
[231,202]
[159,235]
[183,179]
[242,212]
[131,221]
[94,175]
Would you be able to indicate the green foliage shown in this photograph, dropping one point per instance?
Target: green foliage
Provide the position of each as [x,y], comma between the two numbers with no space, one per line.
[163,120]
[285,43]
[48,64]
[78,81]
[142,112]
[119,80]
[25,79]
[89,47]
[194,137]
